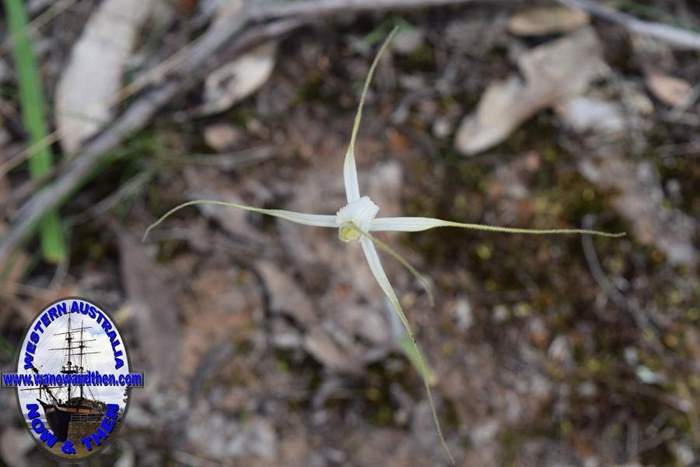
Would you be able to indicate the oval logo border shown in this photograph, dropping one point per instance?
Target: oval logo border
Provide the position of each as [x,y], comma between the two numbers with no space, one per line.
[128,389]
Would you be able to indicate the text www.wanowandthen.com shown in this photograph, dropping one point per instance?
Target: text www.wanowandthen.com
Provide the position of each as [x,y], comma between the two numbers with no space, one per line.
[89,378]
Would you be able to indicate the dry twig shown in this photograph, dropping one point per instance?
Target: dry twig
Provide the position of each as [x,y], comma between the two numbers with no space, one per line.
[674,36]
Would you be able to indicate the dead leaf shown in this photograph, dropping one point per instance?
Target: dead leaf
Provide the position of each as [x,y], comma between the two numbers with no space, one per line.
[88,87]
[225,438]
[238,79]
[586,113]
[319,343]
[669,90]
[285,295]
[501,110]
[221,136]
[555,71]
[540,21]
[154,308]
[641,201]
[565,67]
[322,343]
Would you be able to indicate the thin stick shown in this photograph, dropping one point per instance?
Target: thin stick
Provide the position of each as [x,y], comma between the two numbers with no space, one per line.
[319,8]
[38,22]
[681,38]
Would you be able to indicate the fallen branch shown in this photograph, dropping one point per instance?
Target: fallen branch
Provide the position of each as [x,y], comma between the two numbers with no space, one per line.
[677,37]
[178,76]
[316,9]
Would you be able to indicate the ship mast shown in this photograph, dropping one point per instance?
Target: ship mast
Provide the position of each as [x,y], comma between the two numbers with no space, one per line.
[82,347]
[70,368]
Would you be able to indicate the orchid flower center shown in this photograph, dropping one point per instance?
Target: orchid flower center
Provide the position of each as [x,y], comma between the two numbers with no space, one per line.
[355,217]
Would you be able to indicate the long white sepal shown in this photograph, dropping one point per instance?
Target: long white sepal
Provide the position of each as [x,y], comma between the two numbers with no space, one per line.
[352,186]
[417,224]
[316,220]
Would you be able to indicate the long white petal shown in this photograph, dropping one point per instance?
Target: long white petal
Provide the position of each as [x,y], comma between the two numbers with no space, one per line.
[316,220]
[416,224]
[411,347]
[422,280]
[377,269]
[404,224]
[352,187]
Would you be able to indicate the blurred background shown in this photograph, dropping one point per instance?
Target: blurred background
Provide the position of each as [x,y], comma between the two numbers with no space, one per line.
[266,343]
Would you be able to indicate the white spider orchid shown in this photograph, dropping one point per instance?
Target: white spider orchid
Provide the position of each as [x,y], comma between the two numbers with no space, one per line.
[358,218]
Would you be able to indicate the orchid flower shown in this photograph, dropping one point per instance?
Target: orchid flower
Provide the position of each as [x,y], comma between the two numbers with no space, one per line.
[358,219]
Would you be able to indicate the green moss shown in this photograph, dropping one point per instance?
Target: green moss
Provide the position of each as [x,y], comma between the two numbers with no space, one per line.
[421,59]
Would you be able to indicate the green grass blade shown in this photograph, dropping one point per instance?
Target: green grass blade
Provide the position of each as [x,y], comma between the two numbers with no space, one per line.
[32,101]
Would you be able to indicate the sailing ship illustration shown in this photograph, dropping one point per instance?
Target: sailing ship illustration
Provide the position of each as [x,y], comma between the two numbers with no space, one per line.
[69,412]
